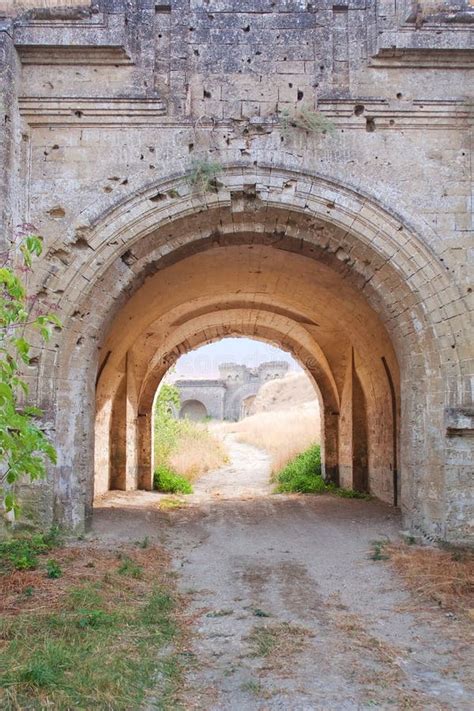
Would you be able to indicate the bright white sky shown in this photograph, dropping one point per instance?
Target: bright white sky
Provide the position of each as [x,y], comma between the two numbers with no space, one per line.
[204,361]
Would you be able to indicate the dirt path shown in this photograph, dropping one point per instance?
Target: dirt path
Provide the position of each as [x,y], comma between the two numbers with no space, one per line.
[246,476]
[288,610]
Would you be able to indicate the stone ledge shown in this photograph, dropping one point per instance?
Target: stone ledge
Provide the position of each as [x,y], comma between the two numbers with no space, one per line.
[459,421]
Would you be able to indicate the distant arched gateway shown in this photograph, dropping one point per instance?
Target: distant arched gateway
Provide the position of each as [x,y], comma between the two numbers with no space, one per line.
[224,396]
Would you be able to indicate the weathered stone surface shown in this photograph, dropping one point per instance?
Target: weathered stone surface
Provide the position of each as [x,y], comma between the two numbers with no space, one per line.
[351,248]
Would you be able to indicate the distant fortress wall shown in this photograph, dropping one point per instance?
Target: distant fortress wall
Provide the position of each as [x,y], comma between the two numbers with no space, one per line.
[229,397]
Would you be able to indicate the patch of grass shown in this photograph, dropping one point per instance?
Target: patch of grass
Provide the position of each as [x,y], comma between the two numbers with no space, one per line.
[46,670]
[303,474]
[252,686]
[170,483]
[130,567]
[169,504]
[283,433]
[264,640]
[101,644]
[21,552]
[181,447]
[348,493]
[85,596]
[220,613]
[53,569]
[277,642]
[95,618]
[378,551]
[445,575]
[260,613]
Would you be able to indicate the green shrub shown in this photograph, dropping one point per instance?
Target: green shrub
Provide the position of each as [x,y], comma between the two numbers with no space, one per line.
[170,483]
[53,569]
[22,552]
[303,474]
[130,568]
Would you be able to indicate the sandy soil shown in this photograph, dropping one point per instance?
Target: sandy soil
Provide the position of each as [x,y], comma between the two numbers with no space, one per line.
[287,609]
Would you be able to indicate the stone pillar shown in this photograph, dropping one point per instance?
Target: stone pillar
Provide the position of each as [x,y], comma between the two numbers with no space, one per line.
[353,450]
[102,450]
[360,463]
[131,428]
[124,433]
[345,430]
[118,450]
[145,451]
[329,446]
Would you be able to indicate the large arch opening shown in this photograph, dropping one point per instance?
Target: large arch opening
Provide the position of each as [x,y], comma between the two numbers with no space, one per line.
[327,273]
[257,289]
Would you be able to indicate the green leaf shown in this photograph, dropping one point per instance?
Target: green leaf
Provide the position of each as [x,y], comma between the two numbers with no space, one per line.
[6,393]
[34,244]
[23,348]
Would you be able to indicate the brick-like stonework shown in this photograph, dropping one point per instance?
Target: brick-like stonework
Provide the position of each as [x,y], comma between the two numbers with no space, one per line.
[351,248]
[229,396]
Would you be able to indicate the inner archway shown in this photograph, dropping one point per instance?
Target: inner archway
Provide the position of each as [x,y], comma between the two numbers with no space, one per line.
[232,453]
[318,317]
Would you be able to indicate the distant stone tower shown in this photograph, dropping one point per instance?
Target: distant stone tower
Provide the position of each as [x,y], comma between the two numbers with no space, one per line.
[229,397]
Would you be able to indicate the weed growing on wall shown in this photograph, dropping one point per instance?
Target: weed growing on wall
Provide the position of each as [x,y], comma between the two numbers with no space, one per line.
[305,119]
[203,175]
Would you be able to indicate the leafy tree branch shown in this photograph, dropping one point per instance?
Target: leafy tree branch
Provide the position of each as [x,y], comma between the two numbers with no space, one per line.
[24,447]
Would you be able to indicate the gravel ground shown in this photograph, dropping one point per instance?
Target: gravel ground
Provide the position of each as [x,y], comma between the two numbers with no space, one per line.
[287,609]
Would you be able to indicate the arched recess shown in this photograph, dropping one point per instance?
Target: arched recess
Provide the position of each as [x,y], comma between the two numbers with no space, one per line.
[377,256]
[193,410]
[246,406]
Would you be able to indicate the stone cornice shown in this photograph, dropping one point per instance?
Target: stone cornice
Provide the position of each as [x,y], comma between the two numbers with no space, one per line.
[91,111]
[346,113]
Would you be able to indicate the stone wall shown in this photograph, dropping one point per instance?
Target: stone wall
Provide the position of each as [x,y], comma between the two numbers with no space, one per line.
[223,398]
[353,244]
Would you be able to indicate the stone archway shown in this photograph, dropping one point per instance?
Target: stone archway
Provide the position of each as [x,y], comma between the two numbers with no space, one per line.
[193,410]
[374,279]
[246,406]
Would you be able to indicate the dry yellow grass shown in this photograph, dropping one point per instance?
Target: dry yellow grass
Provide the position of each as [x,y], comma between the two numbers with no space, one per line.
[445,576]
[197,451]
[278,643]
[283,434]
